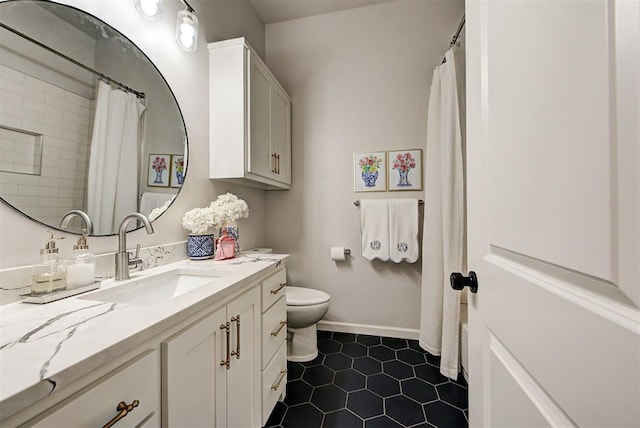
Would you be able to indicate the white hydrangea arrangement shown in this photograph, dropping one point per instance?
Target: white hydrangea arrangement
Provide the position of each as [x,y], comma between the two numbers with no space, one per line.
[225,209]
[229,208]
[198,220]
[155,213]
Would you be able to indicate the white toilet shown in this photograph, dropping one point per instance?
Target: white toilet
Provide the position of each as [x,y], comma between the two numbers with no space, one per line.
[305,307]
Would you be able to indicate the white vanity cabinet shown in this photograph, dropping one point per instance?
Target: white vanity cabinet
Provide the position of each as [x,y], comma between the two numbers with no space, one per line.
[274,348]
[249,119]
[218,363]
[211,369]
[129,396]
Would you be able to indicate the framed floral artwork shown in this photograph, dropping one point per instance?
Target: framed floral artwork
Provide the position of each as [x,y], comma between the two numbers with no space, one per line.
[370,172]
[404,169]
[158,175]
[177,171]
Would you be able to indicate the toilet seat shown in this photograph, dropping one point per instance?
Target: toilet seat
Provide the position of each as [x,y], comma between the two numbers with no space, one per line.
[301,296]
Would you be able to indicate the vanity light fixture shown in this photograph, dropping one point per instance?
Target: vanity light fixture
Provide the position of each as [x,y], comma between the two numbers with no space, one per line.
[187,28]
[150,9]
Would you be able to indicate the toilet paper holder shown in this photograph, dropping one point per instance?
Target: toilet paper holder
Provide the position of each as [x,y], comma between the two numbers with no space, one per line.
[339,254]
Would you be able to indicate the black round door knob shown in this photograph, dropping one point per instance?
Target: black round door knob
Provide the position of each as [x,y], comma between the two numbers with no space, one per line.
[459,281]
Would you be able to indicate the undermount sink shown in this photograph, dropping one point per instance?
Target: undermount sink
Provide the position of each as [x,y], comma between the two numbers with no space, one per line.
[156,289]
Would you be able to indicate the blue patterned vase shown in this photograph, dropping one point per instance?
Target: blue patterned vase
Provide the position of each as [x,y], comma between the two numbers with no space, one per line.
[158,179]
[232,231]
[404,178]
[200,247]
[370,178]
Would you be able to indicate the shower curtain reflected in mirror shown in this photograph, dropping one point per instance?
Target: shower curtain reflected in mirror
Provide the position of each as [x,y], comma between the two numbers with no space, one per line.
[112,190]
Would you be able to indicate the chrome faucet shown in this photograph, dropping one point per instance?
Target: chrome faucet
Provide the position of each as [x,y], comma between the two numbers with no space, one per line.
[122,256]
[88,224]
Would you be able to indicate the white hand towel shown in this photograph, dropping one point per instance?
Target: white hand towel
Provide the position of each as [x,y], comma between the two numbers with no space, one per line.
[374,227]
[403,230]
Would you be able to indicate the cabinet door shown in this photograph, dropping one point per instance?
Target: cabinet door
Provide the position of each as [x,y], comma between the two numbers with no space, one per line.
[260,159]
[193,390]
[281,133]
[243,379]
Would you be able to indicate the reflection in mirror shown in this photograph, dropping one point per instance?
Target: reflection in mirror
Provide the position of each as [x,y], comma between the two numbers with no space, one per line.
[87,121]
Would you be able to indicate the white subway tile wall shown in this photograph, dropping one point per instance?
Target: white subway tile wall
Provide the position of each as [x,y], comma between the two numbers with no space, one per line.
[20,152]
[65,121]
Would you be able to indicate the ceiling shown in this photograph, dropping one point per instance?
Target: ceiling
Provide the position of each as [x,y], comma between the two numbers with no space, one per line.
[272,11]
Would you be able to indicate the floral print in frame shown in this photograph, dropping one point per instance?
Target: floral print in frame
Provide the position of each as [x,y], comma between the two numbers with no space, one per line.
[369,172]
[404,169]
[177,170]
[159,167]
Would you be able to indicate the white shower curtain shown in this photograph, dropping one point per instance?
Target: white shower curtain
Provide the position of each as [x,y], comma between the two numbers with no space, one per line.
[112,190]
[444,221]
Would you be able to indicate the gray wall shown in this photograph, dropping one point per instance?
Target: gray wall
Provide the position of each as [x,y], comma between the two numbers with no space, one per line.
[359,81]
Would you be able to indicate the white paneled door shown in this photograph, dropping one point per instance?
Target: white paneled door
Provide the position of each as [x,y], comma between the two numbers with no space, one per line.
[553,155]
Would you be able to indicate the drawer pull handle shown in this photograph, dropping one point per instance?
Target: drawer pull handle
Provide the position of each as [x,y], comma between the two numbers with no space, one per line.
[276,332]
[123,410]
[276,385]
[236,319]
[277,290]
[227,362]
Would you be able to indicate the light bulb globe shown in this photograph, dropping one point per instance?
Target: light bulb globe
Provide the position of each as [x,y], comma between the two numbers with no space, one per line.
[187,30]
[150,9]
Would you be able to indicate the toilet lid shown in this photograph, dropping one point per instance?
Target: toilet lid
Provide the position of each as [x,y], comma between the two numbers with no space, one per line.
[300,296]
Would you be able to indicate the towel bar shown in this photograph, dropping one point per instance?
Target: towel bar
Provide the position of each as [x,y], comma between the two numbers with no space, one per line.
[357,202]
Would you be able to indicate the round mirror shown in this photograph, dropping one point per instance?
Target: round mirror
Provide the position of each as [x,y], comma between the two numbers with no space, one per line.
[87,122]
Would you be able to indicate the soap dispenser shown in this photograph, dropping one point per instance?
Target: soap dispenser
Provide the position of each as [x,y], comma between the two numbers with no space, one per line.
[48,272]
[81,265]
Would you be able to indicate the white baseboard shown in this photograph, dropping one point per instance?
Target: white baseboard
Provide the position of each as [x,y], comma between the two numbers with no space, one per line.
[374,330]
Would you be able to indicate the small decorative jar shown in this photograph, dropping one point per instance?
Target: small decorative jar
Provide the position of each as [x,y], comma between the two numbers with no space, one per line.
[231,229]
[200,247]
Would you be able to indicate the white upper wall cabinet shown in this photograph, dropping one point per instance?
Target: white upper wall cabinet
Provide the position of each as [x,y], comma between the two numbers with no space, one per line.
[249,118]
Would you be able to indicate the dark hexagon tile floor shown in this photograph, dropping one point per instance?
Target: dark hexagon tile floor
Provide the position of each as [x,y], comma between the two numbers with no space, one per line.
[364,381]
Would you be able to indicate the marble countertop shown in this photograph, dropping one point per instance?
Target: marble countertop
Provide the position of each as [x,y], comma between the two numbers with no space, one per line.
[45,347]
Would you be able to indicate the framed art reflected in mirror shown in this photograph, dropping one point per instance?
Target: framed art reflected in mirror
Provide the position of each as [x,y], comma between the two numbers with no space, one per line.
[158,174]
[177,170]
